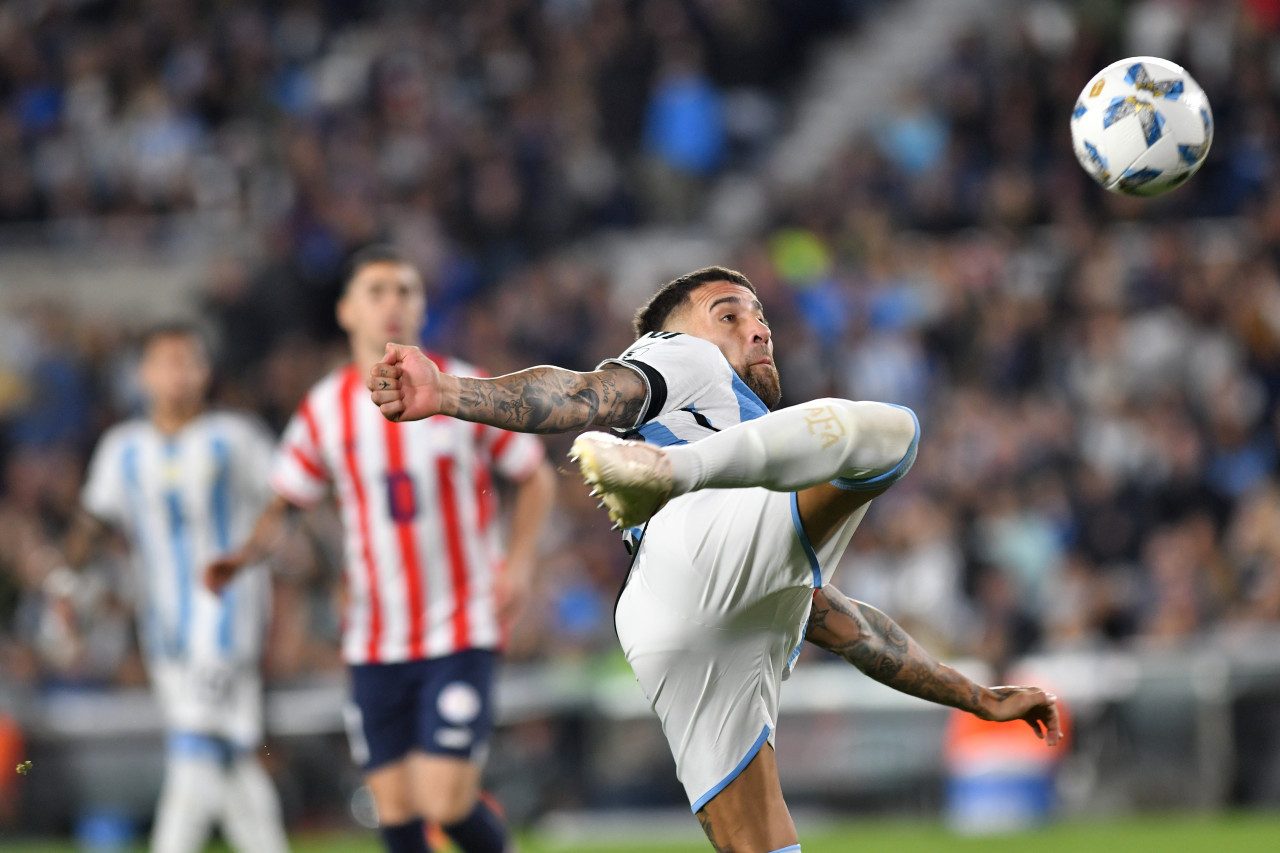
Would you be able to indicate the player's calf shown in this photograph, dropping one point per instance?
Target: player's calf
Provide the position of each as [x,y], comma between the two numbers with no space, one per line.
[856,445]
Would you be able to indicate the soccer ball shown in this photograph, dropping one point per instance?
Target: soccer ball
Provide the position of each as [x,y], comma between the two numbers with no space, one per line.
[1141,126]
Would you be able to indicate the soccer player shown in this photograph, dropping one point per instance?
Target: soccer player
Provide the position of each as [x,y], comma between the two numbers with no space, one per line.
[427,590]
[185,484]
[735,516]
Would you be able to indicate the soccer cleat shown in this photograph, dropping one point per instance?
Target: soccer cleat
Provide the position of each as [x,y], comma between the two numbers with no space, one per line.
[633,479]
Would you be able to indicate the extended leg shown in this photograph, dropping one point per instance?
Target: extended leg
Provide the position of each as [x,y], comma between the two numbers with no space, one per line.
[858,446]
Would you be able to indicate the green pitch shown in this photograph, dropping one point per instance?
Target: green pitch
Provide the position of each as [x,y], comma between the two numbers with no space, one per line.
[1242,833]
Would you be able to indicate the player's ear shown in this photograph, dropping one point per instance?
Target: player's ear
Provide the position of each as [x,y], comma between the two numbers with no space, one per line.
[342,311]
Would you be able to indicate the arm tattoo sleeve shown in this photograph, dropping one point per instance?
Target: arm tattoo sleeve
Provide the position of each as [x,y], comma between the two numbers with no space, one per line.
[875,644]
[552,399]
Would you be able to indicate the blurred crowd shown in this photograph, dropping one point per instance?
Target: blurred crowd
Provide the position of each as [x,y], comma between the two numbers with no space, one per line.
[1097,377]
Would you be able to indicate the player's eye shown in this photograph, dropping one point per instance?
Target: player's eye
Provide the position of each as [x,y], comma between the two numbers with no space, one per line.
[727,317]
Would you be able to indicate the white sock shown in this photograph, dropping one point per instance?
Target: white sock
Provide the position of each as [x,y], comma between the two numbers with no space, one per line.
[251,820]
[858,446]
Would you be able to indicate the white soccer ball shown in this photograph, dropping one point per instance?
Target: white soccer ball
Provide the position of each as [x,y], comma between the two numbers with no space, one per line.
[1141,126]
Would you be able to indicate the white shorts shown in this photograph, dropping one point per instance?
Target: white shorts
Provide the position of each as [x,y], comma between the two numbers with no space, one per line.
[219,699]
[711,619]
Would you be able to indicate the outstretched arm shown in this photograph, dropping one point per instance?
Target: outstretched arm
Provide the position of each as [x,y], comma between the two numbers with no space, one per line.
[265,538]
[875,644]
[407,386]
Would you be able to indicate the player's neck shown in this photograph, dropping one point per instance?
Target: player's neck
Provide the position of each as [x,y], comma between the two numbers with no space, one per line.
[171,419]
[365,357]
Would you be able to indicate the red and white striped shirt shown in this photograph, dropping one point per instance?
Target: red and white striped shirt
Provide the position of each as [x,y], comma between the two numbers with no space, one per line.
[418,510]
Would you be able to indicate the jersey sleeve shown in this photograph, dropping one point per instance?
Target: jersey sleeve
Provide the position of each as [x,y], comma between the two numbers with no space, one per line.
[675,367]
[515,455]
[103,495]
[298,470]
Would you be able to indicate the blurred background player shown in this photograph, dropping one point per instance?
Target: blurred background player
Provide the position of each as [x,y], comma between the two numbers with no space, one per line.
[185,484]
[427,591]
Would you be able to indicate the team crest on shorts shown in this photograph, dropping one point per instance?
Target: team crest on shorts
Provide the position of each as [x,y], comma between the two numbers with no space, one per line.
[459,703]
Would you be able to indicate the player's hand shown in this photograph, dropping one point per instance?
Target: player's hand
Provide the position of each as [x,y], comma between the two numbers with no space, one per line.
[1031,704]
[222,571]
[405,385]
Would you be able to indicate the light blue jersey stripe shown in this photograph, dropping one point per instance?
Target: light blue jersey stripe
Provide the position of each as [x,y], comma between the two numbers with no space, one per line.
[809,553]
[206,747]
[655,433]
[750,406]
[151,633]
[814,566]
[220,504]
[179,536]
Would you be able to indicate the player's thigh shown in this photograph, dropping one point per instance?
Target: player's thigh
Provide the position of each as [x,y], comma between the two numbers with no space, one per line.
[381,726]
[252,821]
[190,798]
[445,787]
[825,509]
[381,719]
[749,814]
[392,791]
[720,557]
[454,725]
[454,706]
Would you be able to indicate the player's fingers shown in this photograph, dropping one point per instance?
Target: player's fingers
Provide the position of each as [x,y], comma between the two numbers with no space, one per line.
[393,410]
[385,371]
[1053,723]
[378,383]
[389,395]
[392,354]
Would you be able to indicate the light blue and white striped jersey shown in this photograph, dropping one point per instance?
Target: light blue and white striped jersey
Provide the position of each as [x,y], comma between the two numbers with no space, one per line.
[182,500]
[693,390]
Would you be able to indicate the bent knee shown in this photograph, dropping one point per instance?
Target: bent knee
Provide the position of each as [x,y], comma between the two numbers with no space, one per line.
[446,808]
[882,440]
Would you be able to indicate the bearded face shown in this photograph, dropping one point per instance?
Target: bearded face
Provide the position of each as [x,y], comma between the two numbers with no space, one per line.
[764,382]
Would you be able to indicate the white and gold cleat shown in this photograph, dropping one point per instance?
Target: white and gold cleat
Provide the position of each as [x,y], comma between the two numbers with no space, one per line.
[632,479]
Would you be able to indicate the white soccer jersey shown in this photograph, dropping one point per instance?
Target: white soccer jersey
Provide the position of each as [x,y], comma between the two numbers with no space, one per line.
[418,511]
[182,500]
[693,390]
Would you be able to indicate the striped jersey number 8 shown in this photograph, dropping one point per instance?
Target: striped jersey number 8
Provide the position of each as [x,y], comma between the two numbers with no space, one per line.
[401,498]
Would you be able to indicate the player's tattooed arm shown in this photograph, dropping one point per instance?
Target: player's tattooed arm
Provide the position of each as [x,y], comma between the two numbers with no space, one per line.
[875,644]
[551,399]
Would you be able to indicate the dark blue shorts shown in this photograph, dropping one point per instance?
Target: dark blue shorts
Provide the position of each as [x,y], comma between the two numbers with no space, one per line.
[441,706]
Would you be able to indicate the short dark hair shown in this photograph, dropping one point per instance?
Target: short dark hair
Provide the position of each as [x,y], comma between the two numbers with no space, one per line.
[174,329]
[675,293]
[374,253]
